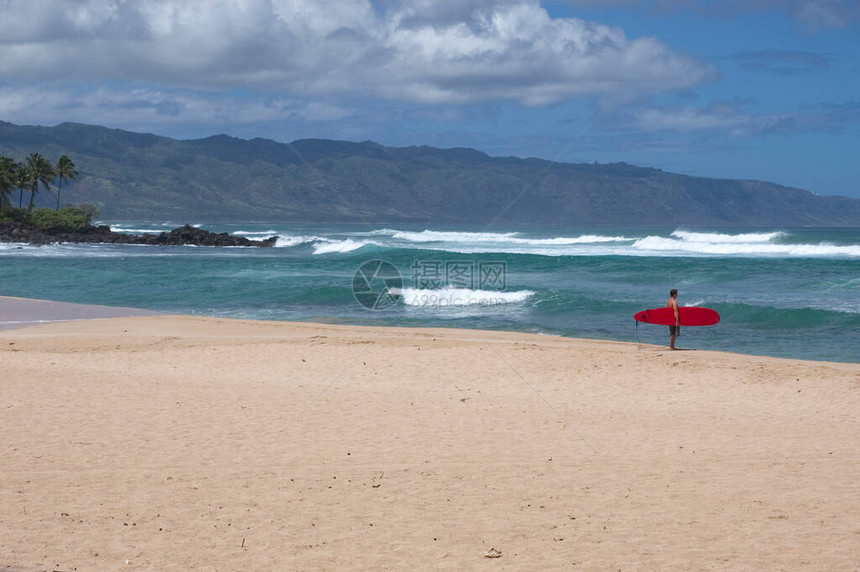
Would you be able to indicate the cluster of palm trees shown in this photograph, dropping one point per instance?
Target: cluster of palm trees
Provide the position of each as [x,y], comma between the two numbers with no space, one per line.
[34,173]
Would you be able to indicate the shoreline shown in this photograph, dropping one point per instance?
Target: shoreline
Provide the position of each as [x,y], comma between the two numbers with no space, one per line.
[581,289]
[18,312]
[36,311]
[195,443]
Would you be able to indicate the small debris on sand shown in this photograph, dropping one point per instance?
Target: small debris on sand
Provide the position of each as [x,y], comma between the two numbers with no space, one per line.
[493,553]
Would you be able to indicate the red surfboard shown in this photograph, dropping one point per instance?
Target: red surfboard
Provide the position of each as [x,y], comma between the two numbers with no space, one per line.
[690,316]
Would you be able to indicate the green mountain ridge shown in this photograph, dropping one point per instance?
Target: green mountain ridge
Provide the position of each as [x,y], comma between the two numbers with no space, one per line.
[131,175]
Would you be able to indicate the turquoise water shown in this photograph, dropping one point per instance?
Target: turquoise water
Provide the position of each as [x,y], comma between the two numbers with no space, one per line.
[780,292]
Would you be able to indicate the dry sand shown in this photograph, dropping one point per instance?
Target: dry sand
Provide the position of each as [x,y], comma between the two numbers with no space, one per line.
[179,443]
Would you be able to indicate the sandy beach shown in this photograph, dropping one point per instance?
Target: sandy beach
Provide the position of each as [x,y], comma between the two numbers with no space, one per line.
[186,443]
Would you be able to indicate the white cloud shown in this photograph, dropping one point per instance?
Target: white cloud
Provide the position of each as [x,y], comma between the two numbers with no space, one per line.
[723,118]
[135,107]
[436,52]
[730,118]
[818,15]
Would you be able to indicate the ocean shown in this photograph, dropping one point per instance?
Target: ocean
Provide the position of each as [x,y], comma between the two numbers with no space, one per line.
[780,291]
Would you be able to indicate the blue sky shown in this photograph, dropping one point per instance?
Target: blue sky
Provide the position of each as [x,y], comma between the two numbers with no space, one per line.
[761,89]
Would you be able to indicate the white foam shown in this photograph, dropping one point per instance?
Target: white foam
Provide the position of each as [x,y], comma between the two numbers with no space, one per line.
[458,297]
[824,249]
[679,243]
[513,238]
[12,245]
[129,230]
[289,241]
[154,228]
[563,240]
[443,236]
[21,322]
[718,237]
[261,233]
[662,245]
[328,246]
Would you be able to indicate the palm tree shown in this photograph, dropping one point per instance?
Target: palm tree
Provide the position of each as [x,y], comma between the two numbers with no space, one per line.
[7,179]
[65,172]
[40,171]
[22,175]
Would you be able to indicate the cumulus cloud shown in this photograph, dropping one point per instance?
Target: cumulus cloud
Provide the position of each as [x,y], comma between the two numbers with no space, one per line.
[425,51]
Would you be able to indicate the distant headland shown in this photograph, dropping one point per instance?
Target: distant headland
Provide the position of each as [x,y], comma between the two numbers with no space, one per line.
[134,176]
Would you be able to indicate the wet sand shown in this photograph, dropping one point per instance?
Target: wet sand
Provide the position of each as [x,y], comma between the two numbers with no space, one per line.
[22,312]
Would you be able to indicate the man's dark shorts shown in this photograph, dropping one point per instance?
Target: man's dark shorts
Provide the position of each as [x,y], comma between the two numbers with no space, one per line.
[674,330]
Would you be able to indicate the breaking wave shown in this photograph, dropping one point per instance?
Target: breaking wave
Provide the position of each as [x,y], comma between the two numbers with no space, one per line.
[758,244]
[677,243]
[156,228]
[341,246]
[496,238]
[747,237]
[459,297]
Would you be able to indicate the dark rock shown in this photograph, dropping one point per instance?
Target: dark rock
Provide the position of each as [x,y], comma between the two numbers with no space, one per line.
[182,236]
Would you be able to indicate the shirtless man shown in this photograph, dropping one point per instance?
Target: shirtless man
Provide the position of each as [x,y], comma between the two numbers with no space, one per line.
[675,330]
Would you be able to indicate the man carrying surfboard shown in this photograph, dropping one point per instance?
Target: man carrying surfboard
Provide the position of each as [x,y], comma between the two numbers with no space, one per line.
[672,316]
[675,330]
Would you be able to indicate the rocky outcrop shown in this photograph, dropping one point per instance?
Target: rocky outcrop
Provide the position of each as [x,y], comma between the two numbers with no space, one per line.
[182,236]
[189,235]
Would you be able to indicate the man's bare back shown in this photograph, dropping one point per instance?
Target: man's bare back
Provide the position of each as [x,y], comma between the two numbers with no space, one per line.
[675,330]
